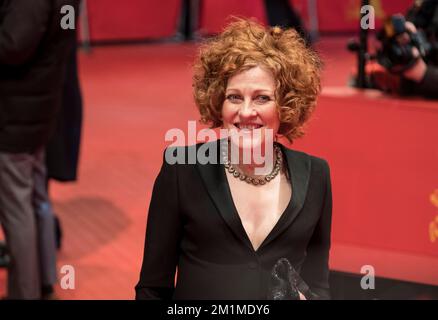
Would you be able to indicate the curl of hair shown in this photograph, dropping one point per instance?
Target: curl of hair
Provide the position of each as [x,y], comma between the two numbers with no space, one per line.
[244,44]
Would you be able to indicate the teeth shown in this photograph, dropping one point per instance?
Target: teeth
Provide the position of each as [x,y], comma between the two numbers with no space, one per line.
[248,126]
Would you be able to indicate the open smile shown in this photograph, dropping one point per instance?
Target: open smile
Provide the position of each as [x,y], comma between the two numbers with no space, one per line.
[247,126]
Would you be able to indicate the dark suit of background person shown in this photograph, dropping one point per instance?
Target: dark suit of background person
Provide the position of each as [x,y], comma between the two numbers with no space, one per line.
[281,13]
[424,16]
[64,146]
[33,53]
[427,87]
[193,225]
[62,152]
[189,19]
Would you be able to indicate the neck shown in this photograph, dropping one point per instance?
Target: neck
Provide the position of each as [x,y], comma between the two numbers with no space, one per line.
[250,167]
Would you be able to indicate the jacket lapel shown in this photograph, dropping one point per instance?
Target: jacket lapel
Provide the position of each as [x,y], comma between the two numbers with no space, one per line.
[299,166]
[215,181]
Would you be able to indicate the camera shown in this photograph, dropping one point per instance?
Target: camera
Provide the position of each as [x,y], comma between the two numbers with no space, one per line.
[396,53]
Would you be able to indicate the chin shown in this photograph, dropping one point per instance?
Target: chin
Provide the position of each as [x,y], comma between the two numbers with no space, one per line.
[250,140]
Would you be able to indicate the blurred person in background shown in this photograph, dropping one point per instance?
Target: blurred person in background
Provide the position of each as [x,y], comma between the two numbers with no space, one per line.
[33,54]
[188,25]
[408,51]
[282,13]
[421,79]
[62,152]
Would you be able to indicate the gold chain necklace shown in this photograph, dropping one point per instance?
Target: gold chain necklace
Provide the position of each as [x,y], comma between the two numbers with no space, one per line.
[252,180]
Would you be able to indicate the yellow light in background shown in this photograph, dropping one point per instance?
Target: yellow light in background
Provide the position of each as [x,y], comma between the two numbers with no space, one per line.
[433,226]
[434,198]
[433,230]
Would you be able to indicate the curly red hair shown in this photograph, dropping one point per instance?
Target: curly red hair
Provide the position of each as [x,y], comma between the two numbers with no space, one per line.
[244,44]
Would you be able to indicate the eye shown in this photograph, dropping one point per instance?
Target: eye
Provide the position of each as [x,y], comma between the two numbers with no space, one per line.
[262,99]
[234,98]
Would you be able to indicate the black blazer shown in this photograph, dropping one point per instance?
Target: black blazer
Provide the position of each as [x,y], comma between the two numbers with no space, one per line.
[193,225]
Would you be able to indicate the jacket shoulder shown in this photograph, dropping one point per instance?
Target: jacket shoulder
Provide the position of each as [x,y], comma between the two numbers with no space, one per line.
[316,162]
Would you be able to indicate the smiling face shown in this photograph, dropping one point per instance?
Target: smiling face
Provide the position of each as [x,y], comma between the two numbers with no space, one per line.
[250,107]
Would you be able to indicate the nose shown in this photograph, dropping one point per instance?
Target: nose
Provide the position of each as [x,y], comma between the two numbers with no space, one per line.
[247,110]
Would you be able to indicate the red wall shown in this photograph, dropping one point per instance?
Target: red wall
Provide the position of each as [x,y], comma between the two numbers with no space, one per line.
[333,15]
[146,19]
[214,13]
[132,19]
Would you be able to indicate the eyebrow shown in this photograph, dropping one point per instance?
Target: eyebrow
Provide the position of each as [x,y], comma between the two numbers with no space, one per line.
[256,91]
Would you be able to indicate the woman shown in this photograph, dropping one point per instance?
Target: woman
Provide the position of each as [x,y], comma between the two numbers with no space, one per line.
[226,225]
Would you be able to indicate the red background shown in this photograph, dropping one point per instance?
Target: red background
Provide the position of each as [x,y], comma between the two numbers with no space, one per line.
[151,19]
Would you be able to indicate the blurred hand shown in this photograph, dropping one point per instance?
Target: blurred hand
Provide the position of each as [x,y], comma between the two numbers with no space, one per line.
[302,297]
[417,72]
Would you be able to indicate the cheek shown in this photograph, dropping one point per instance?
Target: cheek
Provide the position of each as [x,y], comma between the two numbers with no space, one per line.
[271,117]
[227,113]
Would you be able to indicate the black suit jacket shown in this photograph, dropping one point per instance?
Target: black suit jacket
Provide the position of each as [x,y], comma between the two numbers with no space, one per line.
[193,225]
[33,56]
